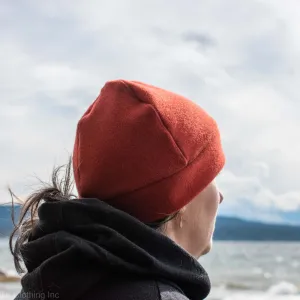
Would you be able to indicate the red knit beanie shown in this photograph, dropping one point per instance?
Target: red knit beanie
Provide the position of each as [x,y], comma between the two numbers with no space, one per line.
[145,150]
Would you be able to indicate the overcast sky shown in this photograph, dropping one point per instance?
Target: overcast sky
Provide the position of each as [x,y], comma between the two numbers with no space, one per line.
[240,60]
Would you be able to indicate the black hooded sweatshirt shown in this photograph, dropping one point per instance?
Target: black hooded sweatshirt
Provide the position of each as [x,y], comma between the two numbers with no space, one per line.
[87,250]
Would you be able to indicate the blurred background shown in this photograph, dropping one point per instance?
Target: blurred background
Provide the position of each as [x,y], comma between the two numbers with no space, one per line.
[239,60]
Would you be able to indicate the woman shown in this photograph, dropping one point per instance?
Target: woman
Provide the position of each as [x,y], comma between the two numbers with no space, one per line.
[144,163]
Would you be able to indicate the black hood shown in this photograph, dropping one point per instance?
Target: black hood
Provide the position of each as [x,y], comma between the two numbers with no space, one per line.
[78,242]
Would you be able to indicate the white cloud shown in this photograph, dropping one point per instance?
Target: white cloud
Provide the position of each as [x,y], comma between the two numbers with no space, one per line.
[246,195]
[239,61]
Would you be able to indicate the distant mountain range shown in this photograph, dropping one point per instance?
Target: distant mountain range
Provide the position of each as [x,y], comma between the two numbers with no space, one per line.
[227,229]
[6,224]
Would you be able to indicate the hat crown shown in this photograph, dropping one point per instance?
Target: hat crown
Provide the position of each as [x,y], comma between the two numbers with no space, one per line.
[134,136]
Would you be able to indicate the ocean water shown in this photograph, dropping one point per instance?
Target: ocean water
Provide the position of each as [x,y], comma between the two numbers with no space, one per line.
[238,271]
[254,270]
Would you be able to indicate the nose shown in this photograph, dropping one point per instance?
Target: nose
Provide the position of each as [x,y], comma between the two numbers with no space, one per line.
[221,197]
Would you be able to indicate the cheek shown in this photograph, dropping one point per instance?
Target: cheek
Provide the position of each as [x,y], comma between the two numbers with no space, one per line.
[210,209]
[202,213]
[207,214]
[202,221]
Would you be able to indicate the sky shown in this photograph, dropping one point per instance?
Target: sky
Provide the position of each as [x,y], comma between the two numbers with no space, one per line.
[239,60]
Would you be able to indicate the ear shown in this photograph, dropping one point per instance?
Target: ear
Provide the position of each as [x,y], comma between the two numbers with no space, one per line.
[180,217]
[182,211]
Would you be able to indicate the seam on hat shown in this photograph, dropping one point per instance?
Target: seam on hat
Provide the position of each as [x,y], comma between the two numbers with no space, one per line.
[160,118]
